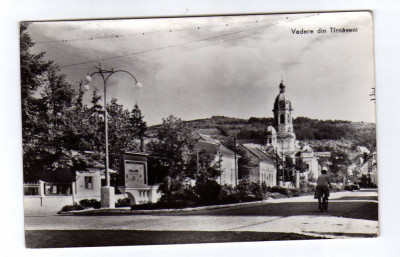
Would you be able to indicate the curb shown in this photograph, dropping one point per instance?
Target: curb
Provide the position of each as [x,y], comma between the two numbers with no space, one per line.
[125,211]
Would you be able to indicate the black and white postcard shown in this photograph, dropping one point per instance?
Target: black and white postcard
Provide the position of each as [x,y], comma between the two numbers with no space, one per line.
[208,129]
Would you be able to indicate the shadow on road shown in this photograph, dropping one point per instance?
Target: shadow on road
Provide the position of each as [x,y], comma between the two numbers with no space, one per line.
[88,238]
[351,209]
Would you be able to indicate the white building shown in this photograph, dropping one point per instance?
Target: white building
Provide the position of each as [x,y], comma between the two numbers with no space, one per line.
[309,157]
[229,160]
[262,168]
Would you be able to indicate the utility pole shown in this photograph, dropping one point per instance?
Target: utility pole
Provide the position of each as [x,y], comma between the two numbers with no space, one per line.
[283,167]
[236,170]
[197,157]
[277,165]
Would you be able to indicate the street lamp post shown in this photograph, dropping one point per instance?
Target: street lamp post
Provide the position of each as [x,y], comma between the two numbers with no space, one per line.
[283,166]
[107,192]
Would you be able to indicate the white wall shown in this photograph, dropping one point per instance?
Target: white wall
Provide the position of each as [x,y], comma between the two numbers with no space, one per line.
[312,167]
[48,205]
[267,173]
[81,191]
[37,205]
[228,175]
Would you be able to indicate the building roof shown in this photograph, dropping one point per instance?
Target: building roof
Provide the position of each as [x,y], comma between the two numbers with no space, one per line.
[262,156]
[322,154]
[260,141]
[99,166]
[307,149]
[207,143]
[224,150]
[208,139]
[362,149]
[137,153]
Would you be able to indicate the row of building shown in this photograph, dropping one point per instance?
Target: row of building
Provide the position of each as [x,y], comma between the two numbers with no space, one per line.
[265,158]
[267,155]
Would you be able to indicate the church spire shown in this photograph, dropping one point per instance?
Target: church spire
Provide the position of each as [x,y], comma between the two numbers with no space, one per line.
[281,87]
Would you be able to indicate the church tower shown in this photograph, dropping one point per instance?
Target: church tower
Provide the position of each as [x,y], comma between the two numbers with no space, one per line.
[283,123]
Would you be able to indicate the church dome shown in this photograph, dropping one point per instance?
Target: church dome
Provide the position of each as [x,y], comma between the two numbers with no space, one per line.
[280,100]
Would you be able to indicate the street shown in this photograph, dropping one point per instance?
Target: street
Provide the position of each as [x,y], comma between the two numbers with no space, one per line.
[350,214]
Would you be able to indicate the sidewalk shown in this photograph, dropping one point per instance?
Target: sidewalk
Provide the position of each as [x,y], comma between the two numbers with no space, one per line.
[291,215]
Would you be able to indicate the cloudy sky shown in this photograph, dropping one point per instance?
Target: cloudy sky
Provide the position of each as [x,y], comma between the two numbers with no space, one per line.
[231,65]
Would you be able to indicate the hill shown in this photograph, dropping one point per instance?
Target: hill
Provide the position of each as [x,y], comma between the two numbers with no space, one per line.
[322,135]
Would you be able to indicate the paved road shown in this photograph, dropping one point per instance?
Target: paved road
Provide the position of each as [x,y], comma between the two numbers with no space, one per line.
[350,214]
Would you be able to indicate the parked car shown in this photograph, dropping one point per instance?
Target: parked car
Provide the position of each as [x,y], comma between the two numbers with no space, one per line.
[337,186]
[351,187]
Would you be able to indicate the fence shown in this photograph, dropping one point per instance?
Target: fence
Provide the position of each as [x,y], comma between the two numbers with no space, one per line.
[57,189]
[31,188]
[48,189]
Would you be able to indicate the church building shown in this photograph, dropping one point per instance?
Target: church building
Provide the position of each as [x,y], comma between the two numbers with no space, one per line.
[281,135]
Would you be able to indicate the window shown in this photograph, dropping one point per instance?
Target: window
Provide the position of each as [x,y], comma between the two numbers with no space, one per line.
[89,182]
[282,118]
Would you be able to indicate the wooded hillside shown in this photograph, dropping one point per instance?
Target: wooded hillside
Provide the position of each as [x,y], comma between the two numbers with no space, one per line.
[322,135]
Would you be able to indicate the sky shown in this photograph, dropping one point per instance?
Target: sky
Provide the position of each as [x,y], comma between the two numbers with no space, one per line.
[197,67]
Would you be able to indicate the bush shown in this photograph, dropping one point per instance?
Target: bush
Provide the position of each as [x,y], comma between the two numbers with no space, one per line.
[125,202]
[249,198]
[264,188]
[92,203]
[186,193]
[256,190]
[285,191]
[175,189]
[72,208]
[307,187]
[294,192]
[252,189]
[243,188]
[227,195]
[278,189]
[208,190]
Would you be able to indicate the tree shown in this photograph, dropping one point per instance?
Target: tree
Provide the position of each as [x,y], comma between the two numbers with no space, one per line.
[49,138]
[59,144]
[124,129]
[209,169]
[172,150]
[289,169]
[33,68]
[138,124]
[173,154]
[58,128]
[300,165]
[339,162]
[244,160]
